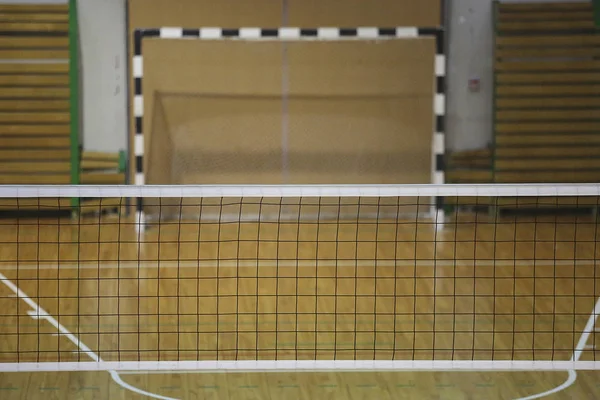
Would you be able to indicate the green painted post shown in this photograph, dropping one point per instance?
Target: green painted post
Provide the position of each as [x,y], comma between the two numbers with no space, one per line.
[597,12]
[74,95]
[122,161]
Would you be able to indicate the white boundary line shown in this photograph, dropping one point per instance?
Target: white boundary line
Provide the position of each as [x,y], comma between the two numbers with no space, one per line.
[39,313]
[579,348]
[303,365]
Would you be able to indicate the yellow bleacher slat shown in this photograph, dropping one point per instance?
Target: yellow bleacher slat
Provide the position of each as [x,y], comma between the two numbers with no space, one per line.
[567,65]
[35,179]
[546,115]
[510,25]
[34,8]
[570,77]
[34,155]
[33,42]
[34,117]
[543,90]
[35,167]
[546,16]
[546,102]
[548,40]
[34,80]
[35,142]
[34,17]
[566,52]
[34,68]
[544,127]
[90,178]
[99,164]
[35,130]
[99,156]
[552,139]
[547,176]
[34,105]
[33,93]
[37,54]
[53,27]
[546,164]
[583,150]
[545,6]
[473,176]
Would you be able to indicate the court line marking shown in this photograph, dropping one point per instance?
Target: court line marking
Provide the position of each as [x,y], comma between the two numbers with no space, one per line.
[143,264]
[579,348]
[38,312]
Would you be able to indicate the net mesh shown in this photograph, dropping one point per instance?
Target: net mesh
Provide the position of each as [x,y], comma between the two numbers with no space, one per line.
[357,273]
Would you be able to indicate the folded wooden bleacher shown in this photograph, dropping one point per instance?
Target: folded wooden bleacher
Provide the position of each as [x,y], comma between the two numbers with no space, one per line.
[39,106]
[546,101]
[547,93]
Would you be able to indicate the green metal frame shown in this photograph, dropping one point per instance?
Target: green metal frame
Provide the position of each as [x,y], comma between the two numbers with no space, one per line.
[74,95]
[596,12]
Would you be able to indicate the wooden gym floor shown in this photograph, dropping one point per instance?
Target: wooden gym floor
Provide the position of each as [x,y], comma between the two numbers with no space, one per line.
[478,289]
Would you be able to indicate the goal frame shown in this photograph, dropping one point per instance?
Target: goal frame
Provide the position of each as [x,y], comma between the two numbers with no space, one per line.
[293,34]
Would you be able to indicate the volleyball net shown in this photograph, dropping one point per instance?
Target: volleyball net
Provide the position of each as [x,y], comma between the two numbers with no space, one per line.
[299,277]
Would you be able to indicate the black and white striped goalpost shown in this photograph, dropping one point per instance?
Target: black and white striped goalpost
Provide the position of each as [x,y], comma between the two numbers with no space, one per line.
[294,34]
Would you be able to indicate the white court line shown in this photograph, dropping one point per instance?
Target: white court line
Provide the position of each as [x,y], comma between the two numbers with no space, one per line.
[257,366]
[293,264]
[39,313]
[579,348]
